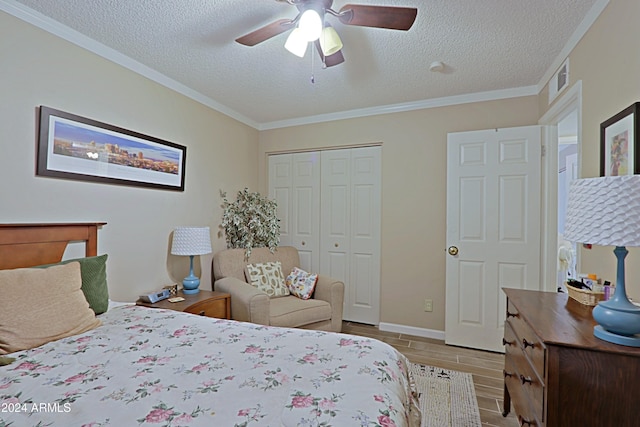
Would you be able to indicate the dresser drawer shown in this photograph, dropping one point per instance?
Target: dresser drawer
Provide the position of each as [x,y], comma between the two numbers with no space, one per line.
[530,383]
[527,340]
[588,382]
[210,308]
[526,410]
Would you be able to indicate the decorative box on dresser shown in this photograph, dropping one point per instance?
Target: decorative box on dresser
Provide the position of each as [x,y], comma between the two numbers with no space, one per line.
[557,374]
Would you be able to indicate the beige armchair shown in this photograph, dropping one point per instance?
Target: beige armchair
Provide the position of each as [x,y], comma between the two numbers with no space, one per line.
[323,311]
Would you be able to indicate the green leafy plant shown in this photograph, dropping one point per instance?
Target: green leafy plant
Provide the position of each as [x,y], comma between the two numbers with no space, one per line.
[250,221]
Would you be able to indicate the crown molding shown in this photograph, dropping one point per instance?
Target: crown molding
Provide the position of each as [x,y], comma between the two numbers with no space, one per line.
[43,22]
[407,106]
[54,27]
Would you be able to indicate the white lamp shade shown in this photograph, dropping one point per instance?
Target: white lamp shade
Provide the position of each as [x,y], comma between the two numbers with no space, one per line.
[296,43]
[604,211]
[330,42]
[191,241]
[310,24]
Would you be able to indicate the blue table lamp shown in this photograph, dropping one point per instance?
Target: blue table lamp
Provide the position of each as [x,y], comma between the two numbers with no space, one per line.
[191,241]
[606,211]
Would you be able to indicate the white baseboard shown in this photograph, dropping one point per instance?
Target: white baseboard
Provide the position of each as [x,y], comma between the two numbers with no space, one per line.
[412,330]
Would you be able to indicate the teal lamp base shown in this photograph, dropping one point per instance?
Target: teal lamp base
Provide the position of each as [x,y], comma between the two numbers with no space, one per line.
[628,340]
[618,318]
[190,283]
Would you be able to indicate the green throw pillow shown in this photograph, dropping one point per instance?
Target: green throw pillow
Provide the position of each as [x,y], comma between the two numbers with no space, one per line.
[94,281]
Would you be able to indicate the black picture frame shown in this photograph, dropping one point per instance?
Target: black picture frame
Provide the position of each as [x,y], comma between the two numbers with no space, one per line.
[75,147]
[619,153]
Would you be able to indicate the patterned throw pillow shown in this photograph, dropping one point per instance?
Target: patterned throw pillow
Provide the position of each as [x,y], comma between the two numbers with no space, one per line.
[301,283]
[268,277]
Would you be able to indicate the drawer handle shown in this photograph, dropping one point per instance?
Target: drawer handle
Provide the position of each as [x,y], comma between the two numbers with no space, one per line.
[524,421]
[507,374]
[526,343]
[526,380]
[201,313]
[505,342]
[509,314]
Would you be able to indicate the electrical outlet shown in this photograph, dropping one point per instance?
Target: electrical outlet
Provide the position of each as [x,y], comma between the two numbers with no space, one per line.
[428,305]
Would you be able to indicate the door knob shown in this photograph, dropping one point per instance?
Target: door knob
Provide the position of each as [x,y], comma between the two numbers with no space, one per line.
[453,250]
[303,243]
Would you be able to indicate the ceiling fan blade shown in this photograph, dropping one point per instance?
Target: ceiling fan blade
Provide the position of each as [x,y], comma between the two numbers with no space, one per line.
[266,32]
[330,60]
[391,17]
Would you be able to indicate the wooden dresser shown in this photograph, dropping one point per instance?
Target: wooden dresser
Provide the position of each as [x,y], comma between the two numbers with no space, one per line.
[557,374]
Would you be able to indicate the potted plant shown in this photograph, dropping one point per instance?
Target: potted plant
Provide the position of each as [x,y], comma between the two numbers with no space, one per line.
[250,221]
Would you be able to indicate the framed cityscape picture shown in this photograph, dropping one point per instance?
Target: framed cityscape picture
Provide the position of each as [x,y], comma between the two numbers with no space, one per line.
[74,147]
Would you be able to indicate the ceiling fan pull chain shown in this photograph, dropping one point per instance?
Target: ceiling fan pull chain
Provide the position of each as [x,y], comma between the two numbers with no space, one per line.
[313,77]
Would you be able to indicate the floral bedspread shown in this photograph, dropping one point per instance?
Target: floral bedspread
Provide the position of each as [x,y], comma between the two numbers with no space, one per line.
[165,368]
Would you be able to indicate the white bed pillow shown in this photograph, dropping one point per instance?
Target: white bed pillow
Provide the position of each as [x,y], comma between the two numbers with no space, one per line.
[40,305]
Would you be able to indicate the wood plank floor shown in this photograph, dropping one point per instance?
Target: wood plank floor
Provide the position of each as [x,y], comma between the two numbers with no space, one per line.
[485,367]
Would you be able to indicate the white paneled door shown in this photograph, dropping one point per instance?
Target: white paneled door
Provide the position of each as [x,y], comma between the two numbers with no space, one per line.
[329,205]
[280,178]
[294,183]
[350,224]
[493,229]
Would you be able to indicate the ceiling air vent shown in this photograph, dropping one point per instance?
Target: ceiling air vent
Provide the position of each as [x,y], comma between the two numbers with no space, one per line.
[559,81]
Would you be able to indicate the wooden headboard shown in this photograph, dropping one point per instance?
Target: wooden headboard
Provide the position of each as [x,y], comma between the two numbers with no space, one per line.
[26,245]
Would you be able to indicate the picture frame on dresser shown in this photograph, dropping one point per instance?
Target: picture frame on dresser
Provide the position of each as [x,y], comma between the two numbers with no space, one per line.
[75,147]
[619,153]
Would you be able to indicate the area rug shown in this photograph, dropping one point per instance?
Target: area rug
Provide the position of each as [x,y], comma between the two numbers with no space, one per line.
[447,398]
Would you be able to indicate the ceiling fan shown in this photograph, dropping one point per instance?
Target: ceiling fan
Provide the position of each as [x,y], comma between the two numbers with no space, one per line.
[310,25]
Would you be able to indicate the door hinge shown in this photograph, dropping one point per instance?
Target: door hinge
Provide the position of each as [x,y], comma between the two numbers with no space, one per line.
[544,150]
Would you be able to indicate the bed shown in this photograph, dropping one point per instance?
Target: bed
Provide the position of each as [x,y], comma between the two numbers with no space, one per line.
[141,366]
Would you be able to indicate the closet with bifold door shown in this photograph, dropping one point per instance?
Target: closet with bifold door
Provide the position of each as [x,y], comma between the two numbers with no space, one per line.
[329,206]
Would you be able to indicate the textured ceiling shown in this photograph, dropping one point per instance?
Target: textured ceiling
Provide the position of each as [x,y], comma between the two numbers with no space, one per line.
[487,45]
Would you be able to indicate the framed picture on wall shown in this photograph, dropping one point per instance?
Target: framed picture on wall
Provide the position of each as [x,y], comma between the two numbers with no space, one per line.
[74,147]
[619,154]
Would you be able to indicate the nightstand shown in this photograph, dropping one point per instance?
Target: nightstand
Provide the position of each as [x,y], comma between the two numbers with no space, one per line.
[204,303]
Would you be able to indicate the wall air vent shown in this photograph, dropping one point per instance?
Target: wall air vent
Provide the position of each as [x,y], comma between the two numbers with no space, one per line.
[559,81]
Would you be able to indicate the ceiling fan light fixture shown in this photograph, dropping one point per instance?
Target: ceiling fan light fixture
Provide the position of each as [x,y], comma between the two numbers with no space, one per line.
[330,41]
[296,43]
[310,24]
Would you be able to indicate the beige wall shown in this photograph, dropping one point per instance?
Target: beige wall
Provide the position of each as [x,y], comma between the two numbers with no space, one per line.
[413,191]
[40,69]
[414,155]
[607,61]
[223,154]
